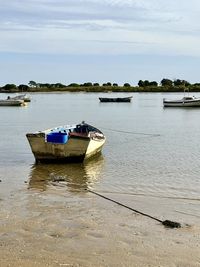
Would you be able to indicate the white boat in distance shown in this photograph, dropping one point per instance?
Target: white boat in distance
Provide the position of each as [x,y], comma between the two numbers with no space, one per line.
[70,143]
[11,102]
[186,101]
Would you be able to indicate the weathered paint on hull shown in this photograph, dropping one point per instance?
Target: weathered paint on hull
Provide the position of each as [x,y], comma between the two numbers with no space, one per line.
[94,147]
[75,150]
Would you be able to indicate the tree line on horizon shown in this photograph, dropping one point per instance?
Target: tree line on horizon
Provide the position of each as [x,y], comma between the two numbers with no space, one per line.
[141,84]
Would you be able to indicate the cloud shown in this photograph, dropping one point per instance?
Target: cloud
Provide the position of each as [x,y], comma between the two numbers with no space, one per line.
[42,12]
[106,26]
[99,39]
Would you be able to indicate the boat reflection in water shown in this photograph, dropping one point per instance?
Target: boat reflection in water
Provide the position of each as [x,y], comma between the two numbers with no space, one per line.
[76,176]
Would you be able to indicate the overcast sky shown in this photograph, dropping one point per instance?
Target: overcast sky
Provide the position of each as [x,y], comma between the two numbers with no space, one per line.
[99,40]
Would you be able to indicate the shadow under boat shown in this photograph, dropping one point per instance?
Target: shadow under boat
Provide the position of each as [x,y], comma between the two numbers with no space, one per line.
[75,176]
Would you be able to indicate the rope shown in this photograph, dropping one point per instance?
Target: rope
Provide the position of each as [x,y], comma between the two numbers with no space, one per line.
[127,132]
[166,223]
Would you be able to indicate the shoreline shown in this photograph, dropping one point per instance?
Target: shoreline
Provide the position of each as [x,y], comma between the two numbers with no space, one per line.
[106,89]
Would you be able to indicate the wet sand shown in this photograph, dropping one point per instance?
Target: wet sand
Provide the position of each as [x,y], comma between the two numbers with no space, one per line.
[61,228]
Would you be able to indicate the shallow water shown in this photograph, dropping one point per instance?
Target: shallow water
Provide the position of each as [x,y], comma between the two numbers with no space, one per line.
[151,159]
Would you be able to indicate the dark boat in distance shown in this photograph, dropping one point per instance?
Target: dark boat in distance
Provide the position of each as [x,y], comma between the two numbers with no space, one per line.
[115,99]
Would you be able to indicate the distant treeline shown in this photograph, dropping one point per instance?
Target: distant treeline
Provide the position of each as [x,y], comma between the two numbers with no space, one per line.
[165,85]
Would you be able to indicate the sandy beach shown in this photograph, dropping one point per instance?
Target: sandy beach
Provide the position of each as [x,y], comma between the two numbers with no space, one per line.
[80,229]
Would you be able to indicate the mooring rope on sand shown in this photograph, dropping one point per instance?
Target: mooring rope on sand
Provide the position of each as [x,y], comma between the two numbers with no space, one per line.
[166,223]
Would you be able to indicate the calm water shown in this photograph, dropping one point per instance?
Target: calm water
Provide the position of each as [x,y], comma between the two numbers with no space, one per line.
[151,152]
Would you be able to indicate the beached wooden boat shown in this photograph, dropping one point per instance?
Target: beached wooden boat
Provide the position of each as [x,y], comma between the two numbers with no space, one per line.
[11,102]
[115,99]
[66,143]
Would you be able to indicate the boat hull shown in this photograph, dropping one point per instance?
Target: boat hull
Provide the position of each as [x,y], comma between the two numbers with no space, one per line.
[117,99]
[77,149]
[12,103]
[192,103]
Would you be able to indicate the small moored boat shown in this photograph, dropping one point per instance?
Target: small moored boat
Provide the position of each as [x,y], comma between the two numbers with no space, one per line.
[186,101]
[66,143]
[115,99]
[11,102]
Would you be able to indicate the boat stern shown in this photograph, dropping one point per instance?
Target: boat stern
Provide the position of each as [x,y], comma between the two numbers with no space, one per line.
[50,151]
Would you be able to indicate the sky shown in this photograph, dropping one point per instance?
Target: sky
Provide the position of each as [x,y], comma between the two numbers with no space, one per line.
[117,41]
